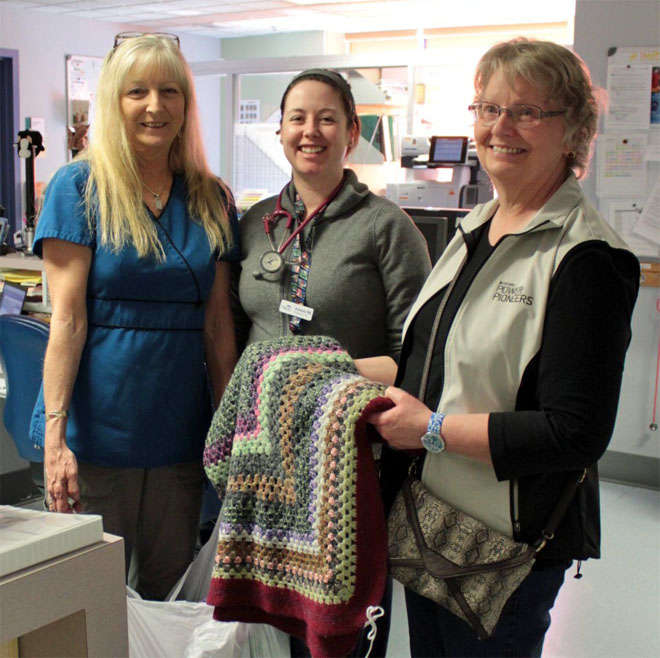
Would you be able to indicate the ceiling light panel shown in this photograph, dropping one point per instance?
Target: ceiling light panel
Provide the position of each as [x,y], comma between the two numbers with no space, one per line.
[331,2]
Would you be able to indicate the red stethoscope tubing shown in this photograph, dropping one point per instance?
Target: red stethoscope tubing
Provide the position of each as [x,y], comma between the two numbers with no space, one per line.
[269,220]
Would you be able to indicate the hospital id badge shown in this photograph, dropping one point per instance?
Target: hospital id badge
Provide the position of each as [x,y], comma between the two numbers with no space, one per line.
[297,310]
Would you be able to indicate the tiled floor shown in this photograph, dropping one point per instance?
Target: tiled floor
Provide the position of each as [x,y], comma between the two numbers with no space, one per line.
[614,610]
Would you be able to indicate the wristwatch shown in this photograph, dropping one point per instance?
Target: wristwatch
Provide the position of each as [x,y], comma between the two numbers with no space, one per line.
[432,439]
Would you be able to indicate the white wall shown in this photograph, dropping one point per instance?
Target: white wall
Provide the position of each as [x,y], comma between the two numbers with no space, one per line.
[43,40]
[599,25]
[284,45]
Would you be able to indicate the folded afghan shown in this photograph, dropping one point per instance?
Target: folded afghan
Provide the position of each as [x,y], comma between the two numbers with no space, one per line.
[302,537]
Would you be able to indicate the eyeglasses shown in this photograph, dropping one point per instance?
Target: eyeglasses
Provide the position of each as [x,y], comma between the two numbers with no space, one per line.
[124,36]
[525,115]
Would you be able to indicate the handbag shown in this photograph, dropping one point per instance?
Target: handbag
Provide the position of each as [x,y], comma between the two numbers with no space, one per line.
[458,561]
[449,556]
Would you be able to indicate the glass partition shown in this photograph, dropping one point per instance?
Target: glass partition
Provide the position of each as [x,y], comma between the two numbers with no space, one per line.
[259,166]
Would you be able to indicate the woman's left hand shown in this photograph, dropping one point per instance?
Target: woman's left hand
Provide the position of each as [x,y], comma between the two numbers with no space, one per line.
[403,425]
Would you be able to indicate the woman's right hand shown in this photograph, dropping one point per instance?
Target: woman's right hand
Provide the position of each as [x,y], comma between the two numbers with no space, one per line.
[61,478]
[403,424]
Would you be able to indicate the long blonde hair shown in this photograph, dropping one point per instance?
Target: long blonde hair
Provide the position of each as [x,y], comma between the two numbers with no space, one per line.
[113,197]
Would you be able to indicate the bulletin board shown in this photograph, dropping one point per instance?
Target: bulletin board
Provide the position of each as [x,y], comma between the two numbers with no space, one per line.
[82,76]
[628,184]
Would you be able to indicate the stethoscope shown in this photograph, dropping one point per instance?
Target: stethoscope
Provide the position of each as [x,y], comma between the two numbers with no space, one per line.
[272,260]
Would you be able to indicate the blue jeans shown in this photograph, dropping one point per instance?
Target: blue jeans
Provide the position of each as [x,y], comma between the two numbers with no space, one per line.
[520,630]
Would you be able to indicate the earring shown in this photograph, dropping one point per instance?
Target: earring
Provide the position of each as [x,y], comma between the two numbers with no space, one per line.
[570,155]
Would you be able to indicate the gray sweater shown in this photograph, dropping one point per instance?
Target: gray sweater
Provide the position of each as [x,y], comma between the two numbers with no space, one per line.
[369,261]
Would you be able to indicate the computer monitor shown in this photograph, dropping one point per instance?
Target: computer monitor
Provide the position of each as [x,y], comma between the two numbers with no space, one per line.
[437,225]
[12,299]
[448,151]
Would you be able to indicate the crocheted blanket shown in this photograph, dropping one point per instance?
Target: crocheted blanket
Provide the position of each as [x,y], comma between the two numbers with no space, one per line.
[302,538]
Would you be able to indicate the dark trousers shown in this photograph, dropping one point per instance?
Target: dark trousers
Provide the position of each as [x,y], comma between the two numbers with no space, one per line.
[156,511]
[520,630]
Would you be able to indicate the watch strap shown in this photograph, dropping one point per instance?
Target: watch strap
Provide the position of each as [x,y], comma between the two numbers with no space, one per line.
[435,423]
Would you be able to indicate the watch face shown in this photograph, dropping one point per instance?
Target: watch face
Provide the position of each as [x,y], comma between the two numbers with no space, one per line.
[271,262]
[433,442]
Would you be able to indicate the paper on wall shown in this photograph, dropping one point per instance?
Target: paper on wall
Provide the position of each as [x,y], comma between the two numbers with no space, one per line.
[648,225]
[624,216]
[629,95]
[653,148]
[621,165]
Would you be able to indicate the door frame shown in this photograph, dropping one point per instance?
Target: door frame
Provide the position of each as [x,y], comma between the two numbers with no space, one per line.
[10,185]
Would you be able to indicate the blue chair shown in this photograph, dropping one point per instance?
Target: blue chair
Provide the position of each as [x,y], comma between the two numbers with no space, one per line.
[22,347]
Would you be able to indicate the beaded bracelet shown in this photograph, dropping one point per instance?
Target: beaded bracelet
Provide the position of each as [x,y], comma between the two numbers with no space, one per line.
[60,413]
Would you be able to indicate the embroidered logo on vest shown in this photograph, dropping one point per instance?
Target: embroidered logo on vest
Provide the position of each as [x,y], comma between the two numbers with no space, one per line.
[511,293]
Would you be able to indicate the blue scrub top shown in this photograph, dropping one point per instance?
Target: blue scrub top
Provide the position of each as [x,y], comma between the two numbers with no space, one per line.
[141,396]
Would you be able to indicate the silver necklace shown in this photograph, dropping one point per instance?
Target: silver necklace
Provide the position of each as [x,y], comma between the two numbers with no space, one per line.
[156,196]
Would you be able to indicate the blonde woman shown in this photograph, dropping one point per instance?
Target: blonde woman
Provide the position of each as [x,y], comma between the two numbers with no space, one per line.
[136,235]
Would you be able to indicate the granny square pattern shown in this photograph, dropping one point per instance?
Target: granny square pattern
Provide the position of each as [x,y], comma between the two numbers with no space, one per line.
[302,538]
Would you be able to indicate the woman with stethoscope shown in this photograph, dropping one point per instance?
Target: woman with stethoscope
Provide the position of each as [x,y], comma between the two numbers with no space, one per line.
[326,256]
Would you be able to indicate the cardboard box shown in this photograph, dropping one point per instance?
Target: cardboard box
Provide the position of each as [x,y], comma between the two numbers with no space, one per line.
[650,274]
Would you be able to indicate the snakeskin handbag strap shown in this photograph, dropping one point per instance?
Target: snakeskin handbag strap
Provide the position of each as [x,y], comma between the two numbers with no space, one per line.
[560,509]
[434,333]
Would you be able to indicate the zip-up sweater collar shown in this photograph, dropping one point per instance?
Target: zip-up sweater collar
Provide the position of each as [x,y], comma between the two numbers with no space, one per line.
[352,193]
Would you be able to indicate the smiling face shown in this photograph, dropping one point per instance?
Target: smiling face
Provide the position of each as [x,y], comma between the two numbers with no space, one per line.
[515,156]
[153,107]
[315,133]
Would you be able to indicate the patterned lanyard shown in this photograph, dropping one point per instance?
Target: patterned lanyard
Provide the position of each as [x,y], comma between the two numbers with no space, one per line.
[301,255]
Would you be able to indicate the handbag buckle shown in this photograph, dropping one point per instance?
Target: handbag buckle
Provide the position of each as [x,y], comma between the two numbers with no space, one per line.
[547,536]
[413,470]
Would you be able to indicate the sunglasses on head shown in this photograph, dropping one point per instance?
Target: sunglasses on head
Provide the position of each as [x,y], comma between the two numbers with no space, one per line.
[125,36]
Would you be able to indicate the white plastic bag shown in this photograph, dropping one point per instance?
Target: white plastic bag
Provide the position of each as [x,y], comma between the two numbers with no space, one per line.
[266,641]
[180,629]
[183,629]
[195,582]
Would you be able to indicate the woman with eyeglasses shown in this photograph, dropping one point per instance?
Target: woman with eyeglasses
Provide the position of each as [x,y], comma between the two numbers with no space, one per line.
[136,235]
[524,324]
